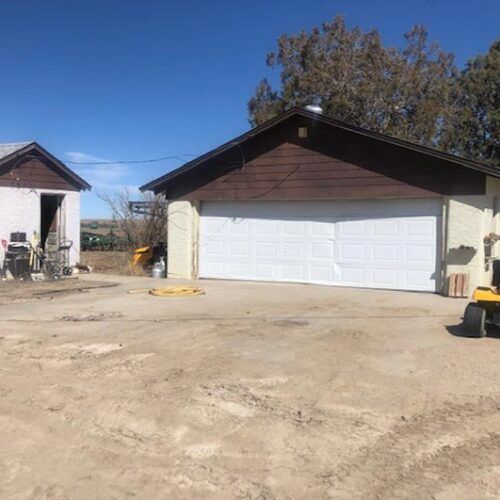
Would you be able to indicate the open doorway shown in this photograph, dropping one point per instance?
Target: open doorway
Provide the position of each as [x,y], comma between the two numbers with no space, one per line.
[51,226]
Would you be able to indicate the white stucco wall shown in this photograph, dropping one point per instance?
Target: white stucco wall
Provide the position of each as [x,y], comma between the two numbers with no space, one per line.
[20,211]
[183,224]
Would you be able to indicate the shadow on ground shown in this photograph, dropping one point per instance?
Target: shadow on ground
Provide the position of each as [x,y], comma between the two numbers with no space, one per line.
[459,331]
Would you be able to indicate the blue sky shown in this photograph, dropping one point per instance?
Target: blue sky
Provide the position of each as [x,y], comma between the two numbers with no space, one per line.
[122,79]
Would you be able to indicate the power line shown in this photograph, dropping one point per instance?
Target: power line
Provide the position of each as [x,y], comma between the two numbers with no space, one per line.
[124,162]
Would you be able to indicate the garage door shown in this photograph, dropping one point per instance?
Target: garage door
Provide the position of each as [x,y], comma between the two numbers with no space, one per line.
[390,244]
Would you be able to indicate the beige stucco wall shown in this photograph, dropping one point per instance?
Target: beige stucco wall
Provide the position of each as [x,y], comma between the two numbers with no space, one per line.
[493,189]
[468,219]
[183,222]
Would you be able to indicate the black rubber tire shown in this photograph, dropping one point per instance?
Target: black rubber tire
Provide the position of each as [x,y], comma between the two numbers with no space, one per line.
[67,271]
[475,320]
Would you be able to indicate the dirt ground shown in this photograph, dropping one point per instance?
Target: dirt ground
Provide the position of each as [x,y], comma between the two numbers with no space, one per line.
[14,291]
[255,391]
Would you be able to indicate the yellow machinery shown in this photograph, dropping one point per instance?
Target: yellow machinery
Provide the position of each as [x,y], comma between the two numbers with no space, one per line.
[485,310]
[142,256]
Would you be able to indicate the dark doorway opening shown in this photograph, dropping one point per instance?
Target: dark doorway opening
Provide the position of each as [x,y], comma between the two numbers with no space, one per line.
[50,220]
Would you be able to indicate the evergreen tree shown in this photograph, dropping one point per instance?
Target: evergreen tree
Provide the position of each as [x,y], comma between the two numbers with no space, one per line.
[475,129]
[403,92]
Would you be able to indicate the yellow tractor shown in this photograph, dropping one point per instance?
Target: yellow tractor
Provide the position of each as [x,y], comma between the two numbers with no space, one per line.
[485,310]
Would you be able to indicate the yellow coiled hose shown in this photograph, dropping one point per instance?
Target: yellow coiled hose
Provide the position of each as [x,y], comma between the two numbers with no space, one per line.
[176,291]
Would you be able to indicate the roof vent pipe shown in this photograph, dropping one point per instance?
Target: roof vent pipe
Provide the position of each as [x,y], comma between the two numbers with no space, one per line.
[314,108]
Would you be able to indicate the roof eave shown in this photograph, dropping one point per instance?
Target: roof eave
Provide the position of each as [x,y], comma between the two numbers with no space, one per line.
[84,185]
[150,186]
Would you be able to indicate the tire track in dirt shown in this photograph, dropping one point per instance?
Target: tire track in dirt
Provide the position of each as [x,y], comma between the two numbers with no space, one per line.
[406,461]
[301,415]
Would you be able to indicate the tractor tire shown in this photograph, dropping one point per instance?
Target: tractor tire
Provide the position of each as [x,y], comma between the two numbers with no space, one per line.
[475,320]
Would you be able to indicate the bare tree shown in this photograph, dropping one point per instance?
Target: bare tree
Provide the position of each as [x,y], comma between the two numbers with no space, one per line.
[146,227]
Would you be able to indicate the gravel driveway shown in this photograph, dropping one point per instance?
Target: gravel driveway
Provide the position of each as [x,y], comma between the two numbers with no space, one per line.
[254,391]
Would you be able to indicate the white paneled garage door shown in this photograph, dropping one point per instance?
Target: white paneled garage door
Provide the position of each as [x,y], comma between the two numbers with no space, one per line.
[368,243]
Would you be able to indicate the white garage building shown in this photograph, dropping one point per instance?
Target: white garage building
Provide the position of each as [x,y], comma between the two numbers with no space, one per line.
[307,199]
[39,194]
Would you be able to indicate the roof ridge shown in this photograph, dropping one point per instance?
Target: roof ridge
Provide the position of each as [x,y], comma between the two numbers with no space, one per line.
[16,143]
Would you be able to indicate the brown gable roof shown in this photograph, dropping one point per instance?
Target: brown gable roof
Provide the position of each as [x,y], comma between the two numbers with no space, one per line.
[20,151]
[162,182]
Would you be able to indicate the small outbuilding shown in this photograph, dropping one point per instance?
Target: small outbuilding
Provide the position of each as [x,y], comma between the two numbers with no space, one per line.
[39,196]
[305,198]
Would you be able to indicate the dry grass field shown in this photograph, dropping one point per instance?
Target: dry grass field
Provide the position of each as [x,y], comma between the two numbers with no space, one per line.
[110,263]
